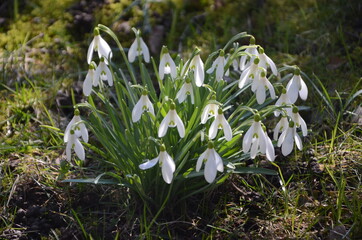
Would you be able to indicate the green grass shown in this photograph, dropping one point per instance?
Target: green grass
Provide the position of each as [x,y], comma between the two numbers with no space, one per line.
[322,196]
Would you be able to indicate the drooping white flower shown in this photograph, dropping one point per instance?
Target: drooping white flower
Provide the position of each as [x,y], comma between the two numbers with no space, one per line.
[256,140]
[250,74]
[77,126]
[246,60]
[103,73]
[266,61]
[210,109]
[296,86]
[299,121]
[220,123]
[73,142]
[99,45]
[143,104]
[166,163]
[219,65]
[197,66]
[282,100]
[213,163]
[167,65]
[260,85]
[90,79]
[171,120]
[281,126]
[287,138]
[138,48]
[186,90]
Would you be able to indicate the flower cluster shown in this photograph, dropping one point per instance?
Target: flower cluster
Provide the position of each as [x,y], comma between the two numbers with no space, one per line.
[206,110]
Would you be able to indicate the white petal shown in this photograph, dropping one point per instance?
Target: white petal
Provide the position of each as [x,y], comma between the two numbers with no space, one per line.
[180,126]
[271,89]
[137,111]
[109,76]
[213,128]
[161,68]
[199,74]
[270,152]
[303,92]
[97,75]
[148,164]
[87,85]
[149,106]
[68,150]
[164,125]
[104,50]
[132,51]
[210,169]
[292,89]
[173,67]
[244,77]
[145,52]
[205,114]
[90,52]
[260,94]
[272,65]
[298,141]
[220,69]
[79,150]
[248,138]
[282,137]
[303,125]
[83,131]
[254,147]
[277,130]
[288,143]
[181,95]
[67,129]
[227,129]
[218,161]
[168,167]
[201,159]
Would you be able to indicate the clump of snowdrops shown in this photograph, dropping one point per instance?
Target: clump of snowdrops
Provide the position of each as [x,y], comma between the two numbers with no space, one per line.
[177,127]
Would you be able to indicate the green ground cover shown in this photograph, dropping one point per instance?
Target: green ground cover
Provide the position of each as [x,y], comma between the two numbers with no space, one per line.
[43,46]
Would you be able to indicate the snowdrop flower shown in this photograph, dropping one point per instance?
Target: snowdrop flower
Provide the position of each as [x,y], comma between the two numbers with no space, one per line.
[265,61]
[234,63]
[90,79]
[283,100]
[73,142]
[103,73]
[213,163]
[167,65]
[144,104]
[260,85]
[220,123]
[171,120]
[281,126]
[166,163]
[297,85]
[77,126]
[251,73]
[210,109]
[186,90]
[197,66]
[138,48]
[219,65]
[99,45]
[256,140]
[299,121]
[287,138]
[245,60]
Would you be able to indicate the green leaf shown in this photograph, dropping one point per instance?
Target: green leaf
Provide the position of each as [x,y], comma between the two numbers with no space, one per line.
[254,170]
